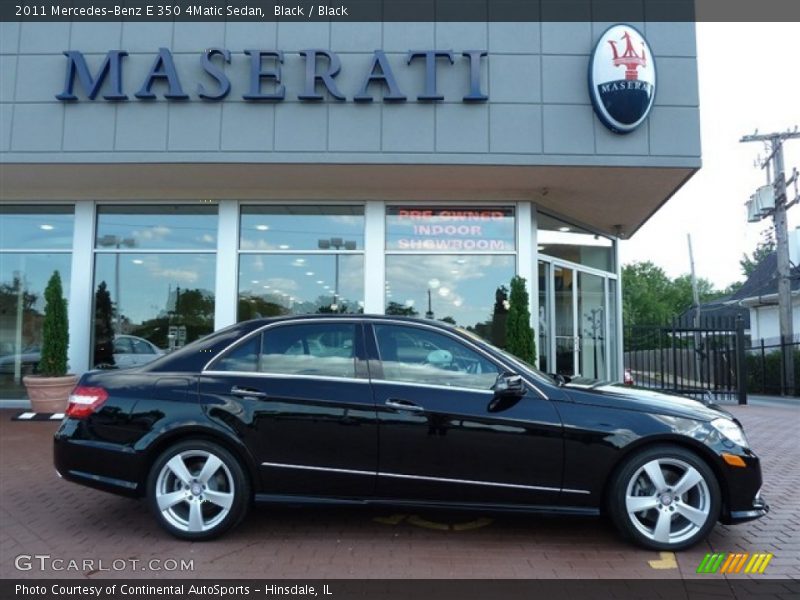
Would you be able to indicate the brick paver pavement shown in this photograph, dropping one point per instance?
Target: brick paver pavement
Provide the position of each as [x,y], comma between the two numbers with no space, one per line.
[40,514]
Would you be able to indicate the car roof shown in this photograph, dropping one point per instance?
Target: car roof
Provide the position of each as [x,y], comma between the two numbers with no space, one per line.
[349,317]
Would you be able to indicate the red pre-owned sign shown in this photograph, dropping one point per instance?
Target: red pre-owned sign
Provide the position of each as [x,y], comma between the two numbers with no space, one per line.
[450,229]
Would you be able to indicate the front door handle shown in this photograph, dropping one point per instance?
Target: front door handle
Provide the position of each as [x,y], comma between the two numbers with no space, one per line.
[403,405]
[248,393]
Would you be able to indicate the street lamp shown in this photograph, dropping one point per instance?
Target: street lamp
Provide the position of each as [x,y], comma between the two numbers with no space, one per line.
[109,241]
[337,244]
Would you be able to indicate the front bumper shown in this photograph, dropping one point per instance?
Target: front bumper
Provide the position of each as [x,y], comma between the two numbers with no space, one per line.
[758,510]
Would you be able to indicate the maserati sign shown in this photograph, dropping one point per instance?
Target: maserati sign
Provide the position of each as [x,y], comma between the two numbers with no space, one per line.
[622,78]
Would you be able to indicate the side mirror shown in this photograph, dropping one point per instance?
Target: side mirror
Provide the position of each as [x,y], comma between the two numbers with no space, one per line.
[509,385]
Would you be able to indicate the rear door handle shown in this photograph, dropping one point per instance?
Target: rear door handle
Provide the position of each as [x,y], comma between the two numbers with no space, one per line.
[248,393]
[403,405]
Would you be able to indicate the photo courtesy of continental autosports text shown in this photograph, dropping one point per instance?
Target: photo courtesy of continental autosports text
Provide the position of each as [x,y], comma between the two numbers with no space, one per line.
[212,590]
[399,299]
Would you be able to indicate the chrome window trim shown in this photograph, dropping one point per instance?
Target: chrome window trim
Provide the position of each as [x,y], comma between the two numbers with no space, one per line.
[372,321]
[424,478]
[285,376]
[467,342]
[437,386]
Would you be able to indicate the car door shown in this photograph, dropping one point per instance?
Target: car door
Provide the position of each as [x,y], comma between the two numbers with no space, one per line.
[444,434]
[303,389]
[143,352]
[123,352]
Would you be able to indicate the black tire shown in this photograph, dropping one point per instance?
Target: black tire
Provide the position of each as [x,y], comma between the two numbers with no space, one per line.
[676,512]
[188,497]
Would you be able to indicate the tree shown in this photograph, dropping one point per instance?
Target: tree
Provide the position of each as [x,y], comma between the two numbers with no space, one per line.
[400,310]
[764,248]
[645,293]
[520,340]
[103,326]
[499,322]
[55,332]
[650,297]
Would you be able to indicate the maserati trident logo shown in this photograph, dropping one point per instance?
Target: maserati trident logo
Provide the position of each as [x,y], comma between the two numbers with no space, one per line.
[622,78]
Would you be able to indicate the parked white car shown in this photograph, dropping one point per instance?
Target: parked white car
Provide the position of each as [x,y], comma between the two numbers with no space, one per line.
[132,351]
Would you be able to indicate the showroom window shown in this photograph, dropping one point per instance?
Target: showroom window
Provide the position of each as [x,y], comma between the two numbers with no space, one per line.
[451,263]
[35,241]
[154,280]
[299,259]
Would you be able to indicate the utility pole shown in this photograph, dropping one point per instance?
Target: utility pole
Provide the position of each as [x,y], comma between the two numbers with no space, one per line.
[698,341]
[782,203]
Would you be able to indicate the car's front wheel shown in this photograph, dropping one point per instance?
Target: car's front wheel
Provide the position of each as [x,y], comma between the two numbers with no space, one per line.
[665,498]
[197,490]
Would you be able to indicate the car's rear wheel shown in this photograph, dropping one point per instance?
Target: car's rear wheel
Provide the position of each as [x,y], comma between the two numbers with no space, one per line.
[665,498]
[197,490]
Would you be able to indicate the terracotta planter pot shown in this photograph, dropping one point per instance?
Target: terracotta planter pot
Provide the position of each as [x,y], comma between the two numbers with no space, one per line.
[49,394]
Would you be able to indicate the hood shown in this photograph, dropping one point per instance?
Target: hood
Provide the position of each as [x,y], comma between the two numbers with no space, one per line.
[641,399]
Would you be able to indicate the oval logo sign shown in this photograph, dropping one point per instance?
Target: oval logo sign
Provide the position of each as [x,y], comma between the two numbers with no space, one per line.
[622,78]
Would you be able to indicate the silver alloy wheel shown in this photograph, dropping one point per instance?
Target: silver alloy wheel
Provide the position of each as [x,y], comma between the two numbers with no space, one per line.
[668,500]
[194,491]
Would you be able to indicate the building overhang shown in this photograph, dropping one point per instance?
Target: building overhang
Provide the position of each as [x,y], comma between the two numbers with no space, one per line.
[765,300]
[616,200]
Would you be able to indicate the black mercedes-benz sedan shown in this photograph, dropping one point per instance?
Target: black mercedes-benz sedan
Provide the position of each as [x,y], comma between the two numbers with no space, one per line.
[398,411]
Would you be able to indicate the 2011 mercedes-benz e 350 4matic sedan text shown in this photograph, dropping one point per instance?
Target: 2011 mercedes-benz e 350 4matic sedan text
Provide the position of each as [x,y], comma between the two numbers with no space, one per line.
[386,410]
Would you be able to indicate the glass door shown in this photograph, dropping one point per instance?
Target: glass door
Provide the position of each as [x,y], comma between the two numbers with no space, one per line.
[545,306]
[592,325]
[567,343]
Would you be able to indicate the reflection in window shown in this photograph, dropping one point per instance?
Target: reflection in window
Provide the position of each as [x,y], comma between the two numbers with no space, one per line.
[570,242]
[36,227]
[242,358]
[564,328]
[319,349]
[162,227]
[468,290]
[35,241]
[282,284]
[23,278]
[301,227]
[156,301]
[613,348]
[417,355]
[544,316]
[592,325]
[300,259]
[450,229]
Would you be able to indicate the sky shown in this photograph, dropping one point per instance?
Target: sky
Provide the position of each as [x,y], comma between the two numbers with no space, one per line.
[748,80]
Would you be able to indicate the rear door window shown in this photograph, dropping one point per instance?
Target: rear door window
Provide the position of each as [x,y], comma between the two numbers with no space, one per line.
[324,349]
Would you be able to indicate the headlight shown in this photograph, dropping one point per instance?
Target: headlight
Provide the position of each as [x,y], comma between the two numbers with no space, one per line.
[730,430]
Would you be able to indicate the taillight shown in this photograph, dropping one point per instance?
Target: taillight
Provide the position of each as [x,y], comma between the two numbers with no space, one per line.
[628,377]
[83,401]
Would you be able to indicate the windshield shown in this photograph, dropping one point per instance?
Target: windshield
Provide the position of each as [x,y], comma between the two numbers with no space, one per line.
[518,362]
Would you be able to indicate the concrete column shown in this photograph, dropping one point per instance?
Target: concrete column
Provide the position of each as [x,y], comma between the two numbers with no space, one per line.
[81,289]
[374,257]
[227,290]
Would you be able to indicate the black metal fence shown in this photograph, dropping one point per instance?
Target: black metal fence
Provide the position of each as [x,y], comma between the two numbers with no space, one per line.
[707,361]
[765,368]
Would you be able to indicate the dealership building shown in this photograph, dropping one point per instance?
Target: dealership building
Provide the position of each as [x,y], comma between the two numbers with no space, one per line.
[183,176]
